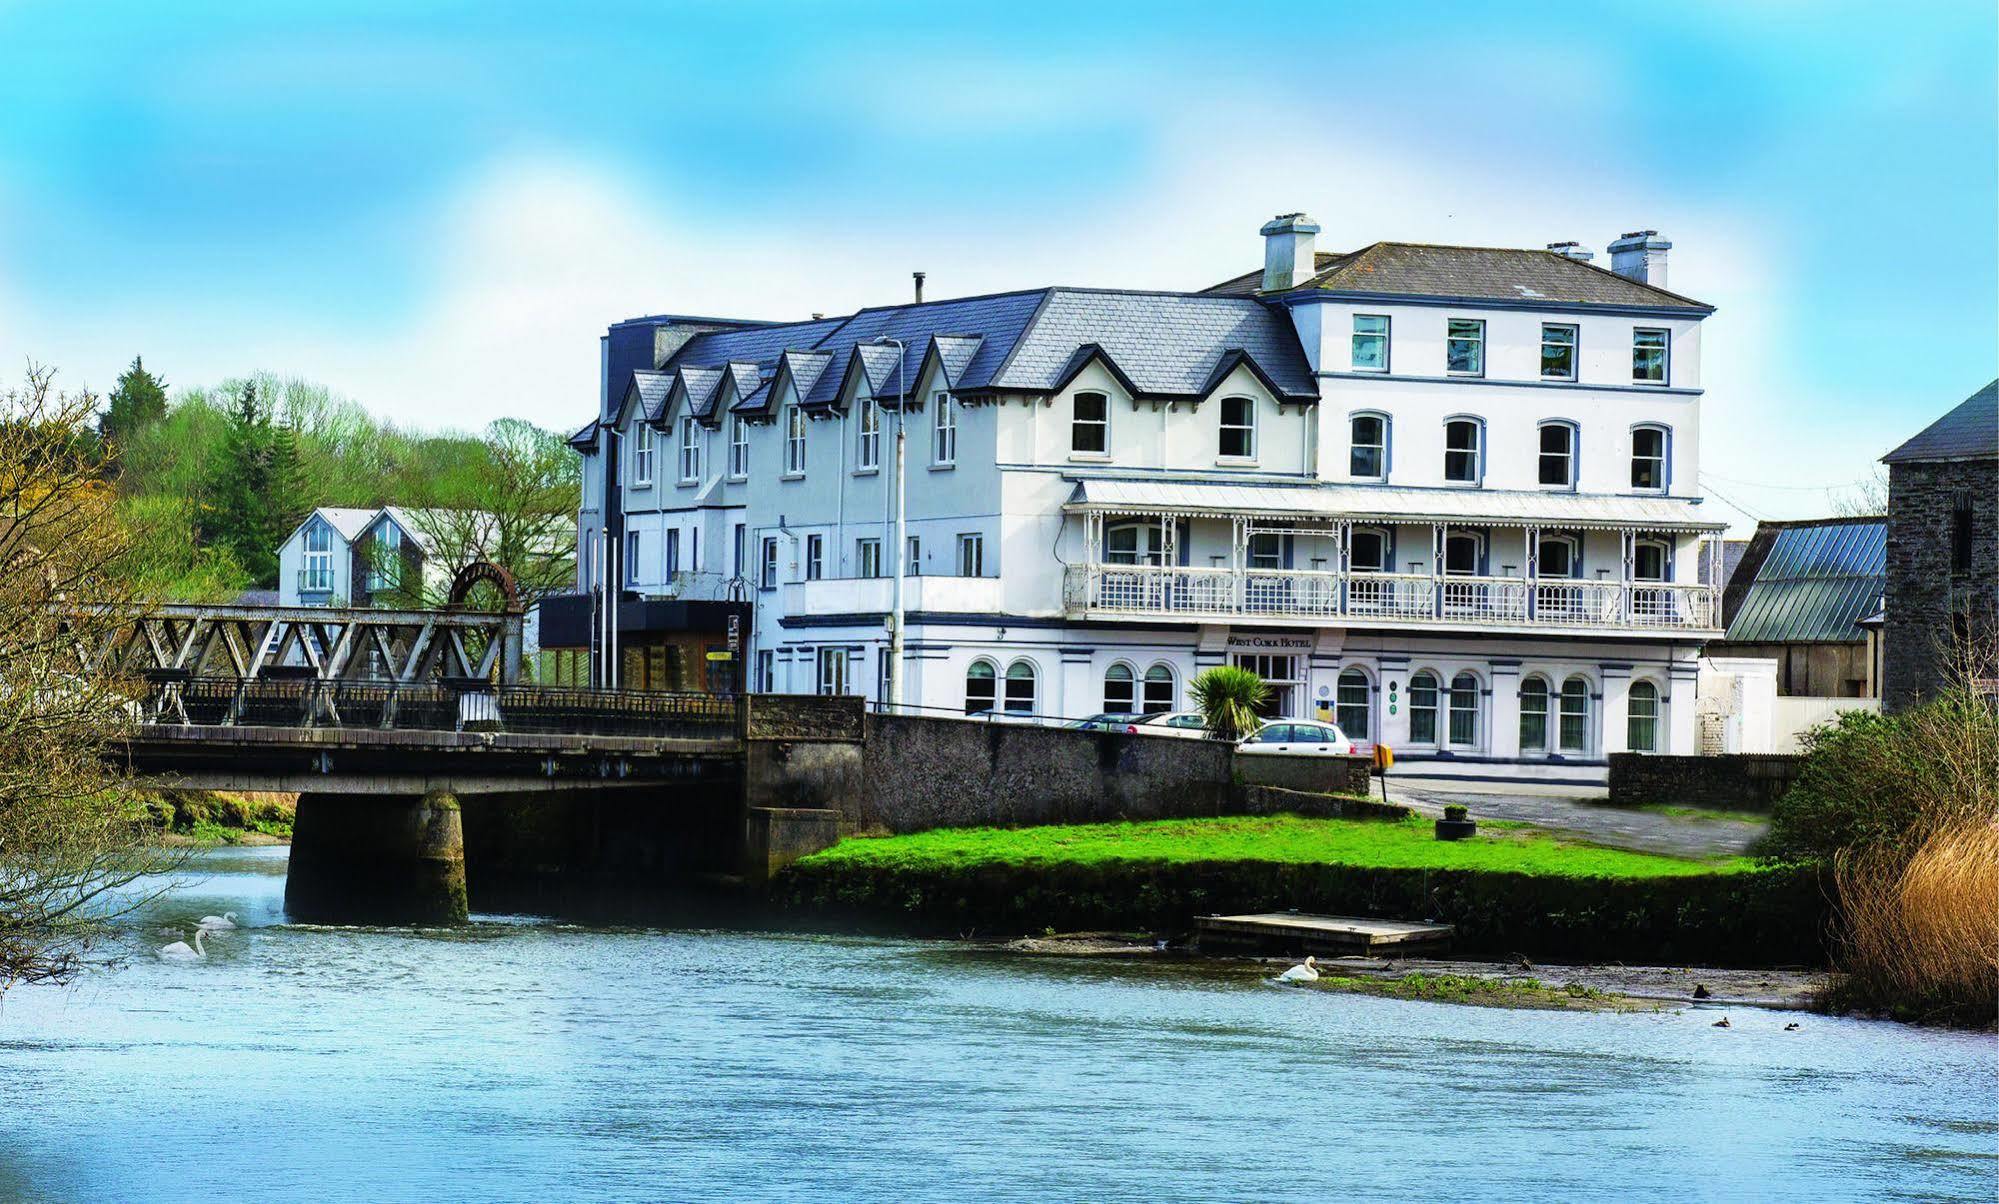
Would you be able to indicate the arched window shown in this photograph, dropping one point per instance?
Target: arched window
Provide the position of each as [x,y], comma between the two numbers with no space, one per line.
[1558,556]
[1020,688]
[1463,550]
[1464,710]
[1369,550]
[1354,709]
[1648,457]
[1160,692]
[1533,716]
[1651,560]
[1423,708]
[1574,727]
[1368,458]
[981,687]
[1558,454]
[1120,689]
[1238,427]
[1464,450]
[1642,728]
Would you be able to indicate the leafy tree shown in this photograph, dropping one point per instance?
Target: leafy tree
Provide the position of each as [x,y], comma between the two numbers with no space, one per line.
[253,495]
[139,401]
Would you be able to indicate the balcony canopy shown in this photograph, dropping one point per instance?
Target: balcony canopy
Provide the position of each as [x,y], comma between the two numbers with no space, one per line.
[1387,504]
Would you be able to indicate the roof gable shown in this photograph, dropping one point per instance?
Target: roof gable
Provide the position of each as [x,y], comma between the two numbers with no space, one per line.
[1969,432]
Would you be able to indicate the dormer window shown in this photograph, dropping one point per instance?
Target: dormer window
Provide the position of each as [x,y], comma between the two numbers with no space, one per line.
[794,441]
[1238,428]
[690,450]
[868,451]
[1090,425]
[1464,440]
[643,445]
[1464,347]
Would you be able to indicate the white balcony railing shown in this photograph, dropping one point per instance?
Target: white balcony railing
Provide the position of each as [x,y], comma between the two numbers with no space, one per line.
[1389,598]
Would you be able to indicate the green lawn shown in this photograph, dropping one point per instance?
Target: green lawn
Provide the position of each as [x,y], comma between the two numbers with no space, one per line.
[1408,844]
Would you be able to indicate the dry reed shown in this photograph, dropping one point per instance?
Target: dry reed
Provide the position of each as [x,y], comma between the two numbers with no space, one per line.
[1921,929]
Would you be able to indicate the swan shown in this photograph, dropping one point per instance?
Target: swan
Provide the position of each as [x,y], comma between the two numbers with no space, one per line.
[179,952]
[1304,973]
[218,923]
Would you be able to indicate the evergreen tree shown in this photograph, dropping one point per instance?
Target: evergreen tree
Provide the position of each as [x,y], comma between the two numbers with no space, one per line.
[139,401]
[240,516]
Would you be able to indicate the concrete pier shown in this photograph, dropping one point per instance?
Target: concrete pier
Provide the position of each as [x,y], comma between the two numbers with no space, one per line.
[377,859]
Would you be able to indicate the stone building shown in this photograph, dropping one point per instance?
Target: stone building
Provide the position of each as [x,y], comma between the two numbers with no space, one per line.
[1943,550]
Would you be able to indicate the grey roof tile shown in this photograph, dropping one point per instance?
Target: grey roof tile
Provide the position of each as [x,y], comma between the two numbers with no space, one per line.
[1968,432]
[1166,343]
[1499,274]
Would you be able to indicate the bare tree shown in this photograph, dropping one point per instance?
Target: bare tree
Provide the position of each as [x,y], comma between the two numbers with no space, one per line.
[1865,498]
[70,844]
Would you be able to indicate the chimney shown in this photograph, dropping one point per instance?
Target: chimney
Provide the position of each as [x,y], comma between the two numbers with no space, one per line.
[1641,255]
[918,277]
[1287,251]
[1572,250]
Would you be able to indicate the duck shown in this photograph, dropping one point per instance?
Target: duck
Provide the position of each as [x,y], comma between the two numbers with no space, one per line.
[1792,1027]
[1722,1023]
[1701,991]
[1307,972]
[217,923]
[179,951]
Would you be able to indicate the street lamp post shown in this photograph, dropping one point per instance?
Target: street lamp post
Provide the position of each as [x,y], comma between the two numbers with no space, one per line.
[900,549]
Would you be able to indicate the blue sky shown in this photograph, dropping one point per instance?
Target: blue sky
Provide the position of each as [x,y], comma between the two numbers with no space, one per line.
[436,211]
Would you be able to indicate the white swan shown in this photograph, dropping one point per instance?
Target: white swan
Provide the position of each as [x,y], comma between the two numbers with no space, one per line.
[179,952]
[217,923]
[1304,973]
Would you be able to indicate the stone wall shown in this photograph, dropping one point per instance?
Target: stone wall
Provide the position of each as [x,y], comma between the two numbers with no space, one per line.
[1319,775]
[1744,781]
[797,717]
[1925,597]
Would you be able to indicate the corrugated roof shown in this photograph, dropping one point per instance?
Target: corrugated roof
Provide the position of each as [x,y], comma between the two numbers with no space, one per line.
[1816,583]
[1390,504]
[1484,273]
[1968,432]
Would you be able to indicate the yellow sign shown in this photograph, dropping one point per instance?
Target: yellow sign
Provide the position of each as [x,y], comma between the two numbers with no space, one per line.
[1384,756]
[721,656]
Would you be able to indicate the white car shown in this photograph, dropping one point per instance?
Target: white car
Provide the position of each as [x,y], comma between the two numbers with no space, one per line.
[1188,725]
[1299,737]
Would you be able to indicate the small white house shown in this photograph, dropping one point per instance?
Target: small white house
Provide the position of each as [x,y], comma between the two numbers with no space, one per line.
[316,563]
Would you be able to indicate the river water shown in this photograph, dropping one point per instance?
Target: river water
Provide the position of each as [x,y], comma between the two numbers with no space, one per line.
[523,1059]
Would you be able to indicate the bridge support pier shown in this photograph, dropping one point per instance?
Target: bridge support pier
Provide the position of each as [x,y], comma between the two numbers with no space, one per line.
[377,859]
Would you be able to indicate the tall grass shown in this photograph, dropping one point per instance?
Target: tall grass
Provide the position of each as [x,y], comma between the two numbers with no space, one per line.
[1921,929]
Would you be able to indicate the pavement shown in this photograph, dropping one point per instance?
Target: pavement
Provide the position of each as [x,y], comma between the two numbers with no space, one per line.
[1583,814]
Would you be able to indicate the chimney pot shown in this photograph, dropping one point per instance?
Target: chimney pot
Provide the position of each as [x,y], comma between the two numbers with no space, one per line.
[1572,250]
[918,277]
[1288,258]
[1641,255]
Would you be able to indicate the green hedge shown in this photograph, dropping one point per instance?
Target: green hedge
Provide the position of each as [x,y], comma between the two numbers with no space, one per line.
[1770,917]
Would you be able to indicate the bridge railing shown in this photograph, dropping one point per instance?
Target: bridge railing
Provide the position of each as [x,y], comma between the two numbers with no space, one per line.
[434,706]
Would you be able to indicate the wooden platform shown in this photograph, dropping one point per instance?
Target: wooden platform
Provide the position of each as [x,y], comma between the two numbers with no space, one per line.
[1296,932]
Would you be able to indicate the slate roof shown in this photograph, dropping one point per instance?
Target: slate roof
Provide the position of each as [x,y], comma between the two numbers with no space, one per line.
[1498,274]
[1808,583]
[1969,432]
[653,388]
[1166,343]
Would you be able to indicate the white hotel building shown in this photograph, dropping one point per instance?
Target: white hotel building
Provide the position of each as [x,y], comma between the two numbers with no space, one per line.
[1446,495]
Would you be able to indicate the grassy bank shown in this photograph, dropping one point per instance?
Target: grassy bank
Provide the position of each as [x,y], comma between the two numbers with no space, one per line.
[1508,890]
[1480,991]
[210,817]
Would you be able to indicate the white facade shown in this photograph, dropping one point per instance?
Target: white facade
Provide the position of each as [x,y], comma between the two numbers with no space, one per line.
[316,561]
[1092,545]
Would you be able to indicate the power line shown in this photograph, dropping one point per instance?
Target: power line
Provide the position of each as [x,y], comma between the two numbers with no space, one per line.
[1715,476]
[1731,501]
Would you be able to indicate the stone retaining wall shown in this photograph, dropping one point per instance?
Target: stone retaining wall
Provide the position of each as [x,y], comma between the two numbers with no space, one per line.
[1745,781]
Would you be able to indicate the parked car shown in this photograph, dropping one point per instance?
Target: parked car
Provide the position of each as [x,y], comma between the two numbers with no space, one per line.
[1299,737]
[1109,721]
[1188,725]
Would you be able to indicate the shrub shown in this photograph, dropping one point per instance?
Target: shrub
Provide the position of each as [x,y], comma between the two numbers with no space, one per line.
[1456,811]
[1921,933]
[1889,781]
[1228,698]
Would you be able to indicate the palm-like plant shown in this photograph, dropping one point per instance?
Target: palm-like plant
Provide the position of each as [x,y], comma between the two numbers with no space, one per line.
[1229,697]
